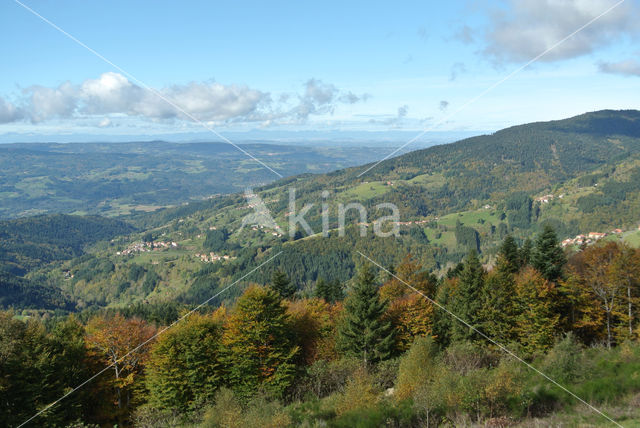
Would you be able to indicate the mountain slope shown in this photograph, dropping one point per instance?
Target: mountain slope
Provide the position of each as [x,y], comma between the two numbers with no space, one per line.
[454,197]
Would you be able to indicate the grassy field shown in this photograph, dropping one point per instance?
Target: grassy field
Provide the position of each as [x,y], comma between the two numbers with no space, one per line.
[365,191]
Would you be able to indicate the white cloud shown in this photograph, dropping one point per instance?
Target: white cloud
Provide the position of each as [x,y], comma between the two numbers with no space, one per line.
[9,112]
[629,67]
[105,123]
[526,28]
[321,98]
[211,102]
[47,103]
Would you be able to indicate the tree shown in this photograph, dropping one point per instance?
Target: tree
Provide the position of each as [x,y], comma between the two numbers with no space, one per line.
[548,257]
[525,252]
[115,342]
[259,351]
[363,332]
[625,271]
[509,256]
[583,314]
[37,368]
[282,285]
[411,313]
[184,367]
[537,320]
[597,270]
[465,301]
[416,367]
[497,311]
[330,291]
[313,323]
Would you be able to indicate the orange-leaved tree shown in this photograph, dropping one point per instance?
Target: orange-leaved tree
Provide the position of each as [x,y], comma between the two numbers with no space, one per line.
[115,341]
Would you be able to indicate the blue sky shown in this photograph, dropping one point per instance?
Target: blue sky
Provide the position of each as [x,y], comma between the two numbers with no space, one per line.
[295,66]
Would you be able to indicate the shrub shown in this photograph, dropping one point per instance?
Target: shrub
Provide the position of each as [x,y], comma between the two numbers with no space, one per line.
[359,393]
[416,367]
[564,362]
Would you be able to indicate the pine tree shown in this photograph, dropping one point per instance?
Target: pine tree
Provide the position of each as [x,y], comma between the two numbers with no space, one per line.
[330,292]
[547,256]
[466,301]
[525,252]
[498,306]
[497,299]
[282,285]
[509,256]
[363,332]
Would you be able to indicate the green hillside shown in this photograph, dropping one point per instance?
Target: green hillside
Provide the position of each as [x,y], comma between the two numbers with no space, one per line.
[468,194]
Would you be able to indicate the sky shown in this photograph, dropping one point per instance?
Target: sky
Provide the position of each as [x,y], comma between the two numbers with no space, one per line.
[178,68]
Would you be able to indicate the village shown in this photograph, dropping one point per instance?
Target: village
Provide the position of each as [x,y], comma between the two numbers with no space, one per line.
[589,238]
[144,247]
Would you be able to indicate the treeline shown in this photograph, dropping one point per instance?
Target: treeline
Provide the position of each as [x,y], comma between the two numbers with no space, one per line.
[377,348]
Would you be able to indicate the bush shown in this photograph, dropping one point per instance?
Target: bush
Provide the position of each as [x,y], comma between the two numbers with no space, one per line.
[463,357]
[327,377]
[359,393]
[226,412]
[416,367]
[259,412]
[564,362]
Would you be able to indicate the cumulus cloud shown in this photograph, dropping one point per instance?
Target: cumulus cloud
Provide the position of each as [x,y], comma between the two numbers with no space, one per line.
[322,98]
[9,112]
[526,28]
[114,94]
[629,67]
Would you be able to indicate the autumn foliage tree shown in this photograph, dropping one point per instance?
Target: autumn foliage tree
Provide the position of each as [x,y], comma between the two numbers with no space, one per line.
[536,317]
[411,312]
[116,342]
[314,326]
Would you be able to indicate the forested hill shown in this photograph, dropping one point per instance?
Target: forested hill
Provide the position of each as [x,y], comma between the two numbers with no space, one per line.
[534,157]
[560,148]
[29,242]
[32,242]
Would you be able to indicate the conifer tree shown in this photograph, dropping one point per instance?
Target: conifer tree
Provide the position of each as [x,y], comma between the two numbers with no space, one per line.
[547,256]
[329,291]
[282,285]
[509,256]
[497,310]
[525,252]
[466,300]
[363,332]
